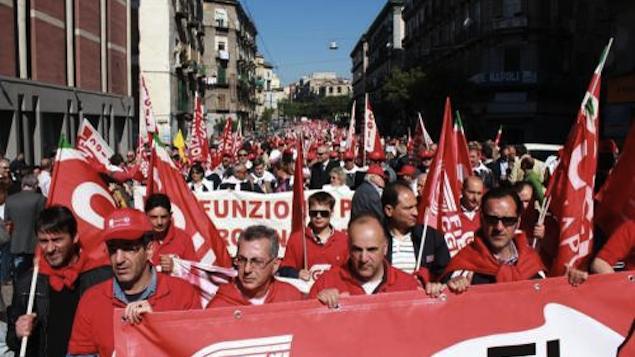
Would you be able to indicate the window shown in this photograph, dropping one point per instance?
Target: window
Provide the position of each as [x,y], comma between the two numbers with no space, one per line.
[339,90]
[220,17]
[512,59]
[330,90]
[511,8]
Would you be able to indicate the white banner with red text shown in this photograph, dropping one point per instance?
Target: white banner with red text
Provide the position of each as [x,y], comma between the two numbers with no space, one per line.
[232,211]
[546,318]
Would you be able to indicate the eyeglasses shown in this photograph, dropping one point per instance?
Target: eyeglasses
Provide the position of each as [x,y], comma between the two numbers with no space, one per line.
[321,153]
[493,220]
[239,154]
[321,213]
[242,262]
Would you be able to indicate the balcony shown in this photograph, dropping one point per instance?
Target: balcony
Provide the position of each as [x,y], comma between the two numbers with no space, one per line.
[509,23]
[222,55]
[221,25]
[180,9]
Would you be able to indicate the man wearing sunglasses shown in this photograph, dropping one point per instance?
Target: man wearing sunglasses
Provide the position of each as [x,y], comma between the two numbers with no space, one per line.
[135,287]
[257,263]
[498,253]
[326,247]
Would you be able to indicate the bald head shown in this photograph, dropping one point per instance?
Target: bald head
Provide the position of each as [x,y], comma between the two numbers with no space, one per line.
[367,248]
[472,193]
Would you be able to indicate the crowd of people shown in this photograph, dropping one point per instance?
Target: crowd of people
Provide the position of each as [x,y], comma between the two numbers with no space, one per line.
[383,249]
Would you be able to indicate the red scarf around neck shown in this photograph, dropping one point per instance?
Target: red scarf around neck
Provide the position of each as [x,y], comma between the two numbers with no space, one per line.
[478,258]
[62,277]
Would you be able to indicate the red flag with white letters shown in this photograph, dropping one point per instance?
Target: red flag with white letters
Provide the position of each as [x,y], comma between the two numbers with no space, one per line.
[79,187]
[94,147]
[440,200]
[197,140]
[572,185]
[227,143]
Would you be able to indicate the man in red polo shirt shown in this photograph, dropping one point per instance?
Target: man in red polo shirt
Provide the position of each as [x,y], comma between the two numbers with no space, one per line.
[170,241]
[620,246]
[366,272]
[257,262]
[136,287]
[326,247]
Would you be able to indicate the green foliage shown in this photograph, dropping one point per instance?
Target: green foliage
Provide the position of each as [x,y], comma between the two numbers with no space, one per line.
[316,107]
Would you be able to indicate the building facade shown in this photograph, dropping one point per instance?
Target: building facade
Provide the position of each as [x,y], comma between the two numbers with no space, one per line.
[378,51]
[171,47]
[61,61]
[230,63]
[528,62]
[322,84]
[268,89]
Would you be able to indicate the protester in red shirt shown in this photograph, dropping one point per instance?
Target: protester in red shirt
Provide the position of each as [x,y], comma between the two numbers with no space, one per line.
[499,253]
[257,263]
[620,246]
[366,272]
[136,287]
[326,247]
[170,240]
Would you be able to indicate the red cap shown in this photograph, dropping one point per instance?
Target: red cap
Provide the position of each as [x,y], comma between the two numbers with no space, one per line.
[333,155]
[407,170]
[126,224]
[376,170]
[426,154]
[349,155]
[377,156]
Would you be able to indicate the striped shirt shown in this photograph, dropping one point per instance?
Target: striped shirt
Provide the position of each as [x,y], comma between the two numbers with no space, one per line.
[403,253]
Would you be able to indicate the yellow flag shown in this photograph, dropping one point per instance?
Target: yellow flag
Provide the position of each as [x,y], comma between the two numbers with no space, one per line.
[179,143]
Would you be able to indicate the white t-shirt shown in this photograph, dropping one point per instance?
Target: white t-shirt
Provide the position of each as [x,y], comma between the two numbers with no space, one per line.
[370,286]
[403,253]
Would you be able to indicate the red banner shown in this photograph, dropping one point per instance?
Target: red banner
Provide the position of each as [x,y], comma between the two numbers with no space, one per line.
[198,145]
[543,318]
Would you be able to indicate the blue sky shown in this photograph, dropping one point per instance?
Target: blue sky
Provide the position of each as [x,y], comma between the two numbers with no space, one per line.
[295,34]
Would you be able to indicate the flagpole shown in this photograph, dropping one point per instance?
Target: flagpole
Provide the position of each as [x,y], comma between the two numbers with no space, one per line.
[423,239]
[302,206]
[29,309]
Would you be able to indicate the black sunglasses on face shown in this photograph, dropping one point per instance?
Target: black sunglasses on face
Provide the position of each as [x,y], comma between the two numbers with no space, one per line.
[321,213]
[493,220]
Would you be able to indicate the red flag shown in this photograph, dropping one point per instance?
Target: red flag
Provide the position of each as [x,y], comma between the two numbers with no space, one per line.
[464,167]
[76,185]
[499,134]
[440,200]
[147,122]
[188,213]
[93,145]
[616,199]
[371,136]
[572,184]
[422,137]
[226,144]
[298,211]
[198,145]
[351,129]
